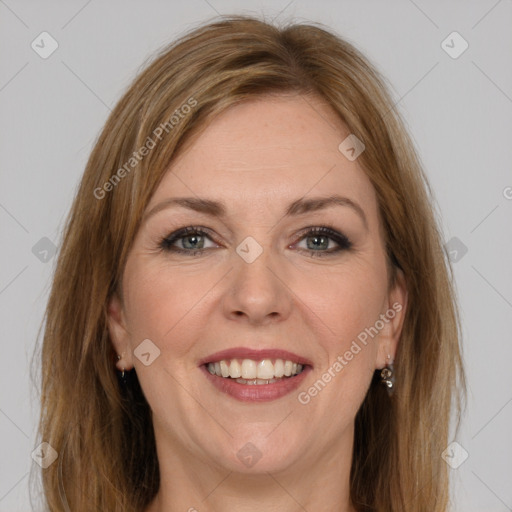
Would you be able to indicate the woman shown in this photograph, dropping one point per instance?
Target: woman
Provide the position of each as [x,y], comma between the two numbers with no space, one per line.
[252,247]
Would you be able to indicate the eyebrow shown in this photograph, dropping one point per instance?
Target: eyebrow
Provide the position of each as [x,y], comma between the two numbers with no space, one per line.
[218,209]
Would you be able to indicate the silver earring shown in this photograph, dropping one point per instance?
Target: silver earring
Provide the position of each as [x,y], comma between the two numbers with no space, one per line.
[122,373]
[387,375]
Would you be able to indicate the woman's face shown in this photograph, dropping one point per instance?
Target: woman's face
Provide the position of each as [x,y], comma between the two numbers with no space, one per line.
[256,283]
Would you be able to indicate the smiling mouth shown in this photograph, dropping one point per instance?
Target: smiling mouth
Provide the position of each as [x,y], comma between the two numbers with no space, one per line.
[255,372]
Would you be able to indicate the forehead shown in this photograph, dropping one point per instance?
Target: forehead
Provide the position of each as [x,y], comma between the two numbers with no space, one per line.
[269,150]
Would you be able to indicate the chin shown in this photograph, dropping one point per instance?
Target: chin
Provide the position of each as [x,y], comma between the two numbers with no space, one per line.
[259,454]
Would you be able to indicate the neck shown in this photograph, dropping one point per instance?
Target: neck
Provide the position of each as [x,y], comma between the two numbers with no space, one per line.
[189,484]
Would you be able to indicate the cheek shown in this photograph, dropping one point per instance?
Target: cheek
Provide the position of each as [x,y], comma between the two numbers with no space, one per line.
[346,303]
[166,304]
[150,302]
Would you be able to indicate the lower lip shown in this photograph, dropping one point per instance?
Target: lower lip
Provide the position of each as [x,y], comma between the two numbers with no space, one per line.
[256,392]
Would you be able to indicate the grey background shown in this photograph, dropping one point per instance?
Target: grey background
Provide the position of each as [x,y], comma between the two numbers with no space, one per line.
[459,112]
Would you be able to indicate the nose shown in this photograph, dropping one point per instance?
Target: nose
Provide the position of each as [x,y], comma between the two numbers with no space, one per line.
[257,292]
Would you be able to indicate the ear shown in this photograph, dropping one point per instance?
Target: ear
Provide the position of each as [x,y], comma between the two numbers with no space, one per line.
[393,317]
[119,333]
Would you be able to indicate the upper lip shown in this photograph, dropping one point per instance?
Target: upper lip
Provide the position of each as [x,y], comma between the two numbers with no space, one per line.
[255,355]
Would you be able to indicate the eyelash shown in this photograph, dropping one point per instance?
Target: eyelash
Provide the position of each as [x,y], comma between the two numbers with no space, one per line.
[343,242]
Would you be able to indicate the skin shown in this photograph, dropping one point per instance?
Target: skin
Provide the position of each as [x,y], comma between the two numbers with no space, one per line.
[257,158]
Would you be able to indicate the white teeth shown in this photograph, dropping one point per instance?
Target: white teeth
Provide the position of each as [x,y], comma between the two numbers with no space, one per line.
[253,382]
[235,370]
[279,368]
[265,369]
[249,370]
[224,369]
[252,372]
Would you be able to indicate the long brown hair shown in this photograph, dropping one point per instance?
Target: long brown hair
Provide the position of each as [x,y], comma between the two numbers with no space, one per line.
[103,435]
